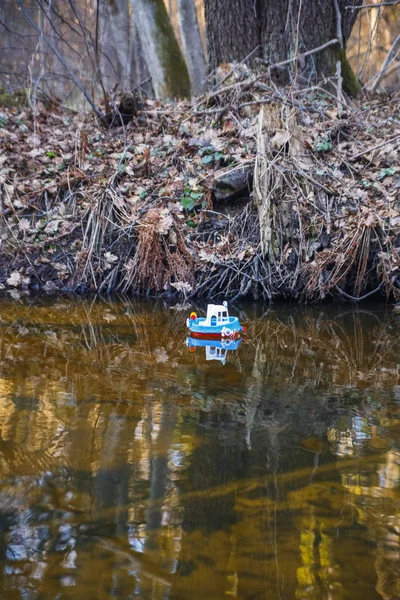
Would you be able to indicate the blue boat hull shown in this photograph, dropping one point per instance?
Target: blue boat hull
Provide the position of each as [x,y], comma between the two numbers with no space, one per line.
[222,344]
[231,327]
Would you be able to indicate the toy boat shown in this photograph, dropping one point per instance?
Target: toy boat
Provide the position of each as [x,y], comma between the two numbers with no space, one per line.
[217,324]
[215,349]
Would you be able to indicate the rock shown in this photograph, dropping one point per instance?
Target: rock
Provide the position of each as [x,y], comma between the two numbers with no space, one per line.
[50,286]
[233,182]
[197,143]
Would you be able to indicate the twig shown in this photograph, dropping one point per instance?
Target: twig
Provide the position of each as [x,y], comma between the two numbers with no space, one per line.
[61,59]
[391,56]
[376,147]
[368,6]
[339,31]
[298,56]
[339,88]
[227,88]
[353,298]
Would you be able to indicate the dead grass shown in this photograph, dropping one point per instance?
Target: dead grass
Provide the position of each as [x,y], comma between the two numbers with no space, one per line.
[321,221]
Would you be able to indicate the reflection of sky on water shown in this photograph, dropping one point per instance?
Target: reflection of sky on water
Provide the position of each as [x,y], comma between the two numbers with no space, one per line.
[131,467]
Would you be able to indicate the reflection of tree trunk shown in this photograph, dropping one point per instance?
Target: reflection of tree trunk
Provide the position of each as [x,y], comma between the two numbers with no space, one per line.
[112,479]
[254,390]
[159,472]
[158,484]
[191,43]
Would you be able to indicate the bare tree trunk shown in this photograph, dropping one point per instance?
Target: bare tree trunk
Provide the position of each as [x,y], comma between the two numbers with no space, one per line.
[233,30]
[291,27]
[283,29]
[140,73]
[161,51]
[119,27]
[191,43]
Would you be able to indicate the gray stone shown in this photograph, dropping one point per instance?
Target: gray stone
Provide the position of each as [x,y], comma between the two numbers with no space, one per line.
[233,182]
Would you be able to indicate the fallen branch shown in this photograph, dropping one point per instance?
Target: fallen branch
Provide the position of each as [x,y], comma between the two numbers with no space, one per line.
[376,147]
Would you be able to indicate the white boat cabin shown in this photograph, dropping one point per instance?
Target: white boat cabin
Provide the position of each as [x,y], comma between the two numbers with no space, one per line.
[217,314]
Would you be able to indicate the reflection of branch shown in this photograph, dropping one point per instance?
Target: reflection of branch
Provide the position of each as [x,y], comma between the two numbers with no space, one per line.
[139,560]
[61,59]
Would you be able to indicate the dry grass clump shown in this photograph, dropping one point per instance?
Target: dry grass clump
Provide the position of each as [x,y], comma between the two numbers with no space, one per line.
[162,257]
[168,204]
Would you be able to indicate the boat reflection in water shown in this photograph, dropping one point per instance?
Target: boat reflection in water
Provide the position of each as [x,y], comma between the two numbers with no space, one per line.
[215,349]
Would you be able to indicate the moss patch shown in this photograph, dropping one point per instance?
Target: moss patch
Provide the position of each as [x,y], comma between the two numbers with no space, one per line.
[351,84]
[13,100]
[176,73]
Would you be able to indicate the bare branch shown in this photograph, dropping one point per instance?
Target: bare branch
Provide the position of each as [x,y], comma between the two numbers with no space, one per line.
[61,59]
[390,58]
[368,6]
[339,31]
[301,55]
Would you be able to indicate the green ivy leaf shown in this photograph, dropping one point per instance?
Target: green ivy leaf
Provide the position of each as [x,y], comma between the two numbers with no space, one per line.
[324,146]
[387,172]
[188,202]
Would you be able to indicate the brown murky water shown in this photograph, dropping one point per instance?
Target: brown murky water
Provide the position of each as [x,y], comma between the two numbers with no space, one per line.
[133,467]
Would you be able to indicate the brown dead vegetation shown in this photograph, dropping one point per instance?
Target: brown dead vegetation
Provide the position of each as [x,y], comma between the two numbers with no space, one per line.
[166,203]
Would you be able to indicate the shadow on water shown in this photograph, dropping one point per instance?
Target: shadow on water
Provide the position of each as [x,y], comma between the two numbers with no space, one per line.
[134,464]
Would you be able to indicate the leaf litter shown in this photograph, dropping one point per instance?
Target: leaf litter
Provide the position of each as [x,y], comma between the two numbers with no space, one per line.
[248,190]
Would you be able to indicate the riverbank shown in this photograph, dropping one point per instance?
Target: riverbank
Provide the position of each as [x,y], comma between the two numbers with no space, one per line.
[250,190]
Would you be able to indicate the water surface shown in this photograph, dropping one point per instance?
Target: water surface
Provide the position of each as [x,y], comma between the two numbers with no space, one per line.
[135,466]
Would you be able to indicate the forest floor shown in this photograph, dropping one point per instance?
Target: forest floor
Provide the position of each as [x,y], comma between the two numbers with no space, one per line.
[249,190]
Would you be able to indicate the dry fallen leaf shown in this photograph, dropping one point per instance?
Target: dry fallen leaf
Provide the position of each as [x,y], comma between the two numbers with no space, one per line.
[109,260]
[14,279]
[165,223]
[280,138]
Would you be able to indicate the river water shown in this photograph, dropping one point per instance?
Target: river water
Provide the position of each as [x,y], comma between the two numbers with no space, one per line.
[133,465]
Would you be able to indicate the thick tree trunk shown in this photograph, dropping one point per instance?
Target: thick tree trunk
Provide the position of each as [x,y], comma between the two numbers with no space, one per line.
[233,30]
[119,29]
[282,29]
[161,51]
[191,43]
[292,27]
[121,56]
